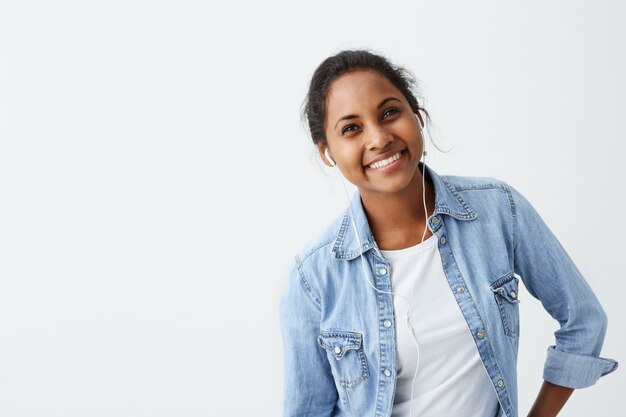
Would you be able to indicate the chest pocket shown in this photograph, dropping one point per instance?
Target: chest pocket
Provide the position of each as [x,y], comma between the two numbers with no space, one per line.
[345,355]
[506,292]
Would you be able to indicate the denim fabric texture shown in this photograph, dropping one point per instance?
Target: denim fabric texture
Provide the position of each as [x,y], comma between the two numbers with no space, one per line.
[340,352]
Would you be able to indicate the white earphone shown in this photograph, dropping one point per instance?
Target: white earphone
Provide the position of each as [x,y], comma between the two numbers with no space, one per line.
[419,121]
[334,164]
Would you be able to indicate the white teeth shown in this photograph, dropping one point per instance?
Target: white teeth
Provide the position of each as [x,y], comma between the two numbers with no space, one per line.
[384,162]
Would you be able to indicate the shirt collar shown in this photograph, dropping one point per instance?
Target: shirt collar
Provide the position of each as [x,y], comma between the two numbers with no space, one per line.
[447,201]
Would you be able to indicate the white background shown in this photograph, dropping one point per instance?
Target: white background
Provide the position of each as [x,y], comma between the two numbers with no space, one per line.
[156,180]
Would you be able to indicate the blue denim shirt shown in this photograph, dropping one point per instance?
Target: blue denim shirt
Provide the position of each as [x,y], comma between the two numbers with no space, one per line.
[340,352]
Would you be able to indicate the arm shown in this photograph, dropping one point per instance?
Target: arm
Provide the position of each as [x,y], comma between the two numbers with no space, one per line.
[309,386]
[550,400]
[550,275]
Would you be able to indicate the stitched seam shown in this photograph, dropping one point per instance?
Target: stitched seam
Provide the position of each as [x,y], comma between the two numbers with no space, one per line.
[488,186]
[513,214]
[306,284]
[316,248]
[340,333]
[380,354]
[503,280]
[358,347]
[502,297]
[610,370]
[342,230]
[353,342]
[461,201]
[348,403]
[507,329]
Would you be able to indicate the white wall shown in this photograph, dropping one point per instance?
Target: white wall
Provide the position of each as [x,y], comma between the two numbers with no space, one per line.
[155,181]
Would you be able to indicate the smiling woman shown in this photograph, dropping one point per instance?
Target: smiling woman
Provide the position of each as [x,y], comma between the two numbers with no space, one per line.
[426,320]
[381,125]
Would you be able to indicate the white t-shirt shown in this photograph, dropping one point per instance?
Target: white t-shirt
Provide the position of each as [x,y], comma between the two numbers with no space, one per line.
[451,379]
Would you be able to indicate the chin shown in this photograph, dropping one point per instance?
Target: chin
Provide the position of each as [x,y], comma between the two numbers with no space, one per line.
[388,186]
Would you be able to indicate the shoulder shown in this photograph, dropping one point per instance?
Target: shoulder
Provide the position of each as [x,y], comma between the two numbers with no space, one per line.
[482,194]
[474,183]
[322,243]
[314,259]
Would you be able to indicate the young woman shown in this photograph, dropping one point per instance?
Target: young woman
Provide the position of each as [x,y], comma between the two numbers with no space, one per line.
[407,303]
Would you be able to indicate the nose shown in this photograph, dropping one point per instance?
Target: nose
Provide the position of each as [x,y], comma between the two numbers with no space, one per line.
[378,138]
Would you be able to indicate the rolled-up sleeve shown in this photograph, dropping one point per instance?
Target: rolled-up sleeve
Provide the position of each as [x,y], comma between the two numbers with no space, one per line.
[309,388]
[550,275]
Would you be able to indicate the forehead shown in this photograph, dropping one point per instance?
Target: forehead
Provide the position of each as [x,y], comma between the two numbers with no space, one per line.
[358,89]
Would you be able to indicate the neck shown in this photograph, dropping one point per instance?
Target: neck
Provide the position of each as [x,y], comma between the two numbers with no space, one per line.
[397,220]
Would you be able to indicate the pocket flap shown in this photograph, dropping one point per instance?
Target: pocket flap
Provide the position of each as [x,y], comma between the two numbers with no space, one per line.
[338,342]
[507,287]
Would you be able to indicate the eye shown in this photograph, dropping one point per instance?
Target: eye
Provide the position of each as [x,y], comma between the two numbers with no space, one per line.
[390,111]
[347,128]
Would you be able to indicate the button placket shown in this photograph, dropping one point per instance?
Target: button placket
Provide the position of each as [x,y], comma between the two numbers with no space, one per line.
[382,271]
[461,292]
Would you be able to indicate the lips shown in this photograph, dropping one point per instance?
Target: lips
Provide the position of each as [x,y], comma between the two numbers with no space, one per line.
[386,156]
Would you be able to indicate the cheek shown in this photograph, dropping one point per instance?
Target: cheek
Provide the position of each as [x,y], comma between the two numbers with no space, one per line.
[352,157]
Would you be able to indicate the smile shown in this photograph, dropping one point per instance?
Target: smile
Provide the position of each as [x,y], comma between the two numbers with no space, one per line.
[385,162]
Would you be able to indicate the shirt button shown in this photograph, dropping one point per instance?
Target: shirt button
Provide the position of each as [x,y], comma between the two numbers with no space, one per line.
[435,220]
[387,323]
[480,334]
[337,349]
[443,239]
[387,372]
[513,295]
[460,288]
[500,383]
[382,271]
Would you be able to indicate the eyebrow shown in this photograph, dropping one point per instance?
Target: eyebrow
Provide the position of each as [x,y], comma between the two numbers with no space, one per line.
[353,116]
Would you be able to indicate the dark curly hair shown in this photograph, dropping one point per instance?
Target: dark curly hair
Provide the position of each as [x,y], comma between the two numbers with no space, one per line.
[314,105]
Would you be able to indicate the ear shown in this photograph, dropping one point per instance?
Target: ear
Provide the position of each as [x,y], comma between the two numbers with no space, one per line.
[321,147]
[419,114]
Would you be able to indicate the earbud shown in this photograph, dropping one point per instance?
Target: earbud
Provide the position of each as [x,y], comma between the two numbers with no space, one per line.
[332,162]
[419,121]
[421,130]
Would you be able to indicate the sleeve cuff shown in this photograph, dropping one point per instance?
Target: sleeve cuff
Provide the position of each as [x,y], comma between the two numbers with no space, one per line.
[573,370]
